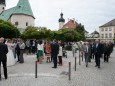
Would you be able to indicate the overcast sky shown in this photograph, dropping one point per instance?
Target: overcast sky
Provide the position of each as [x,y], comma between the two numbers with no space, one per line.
[91,13]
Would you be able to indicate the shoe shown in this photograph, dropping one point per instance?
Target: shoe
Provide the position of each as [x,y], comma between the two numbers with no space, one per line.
[6,77]
[0,78]
[95,65]
[86,65]
[54,67]
[99,67]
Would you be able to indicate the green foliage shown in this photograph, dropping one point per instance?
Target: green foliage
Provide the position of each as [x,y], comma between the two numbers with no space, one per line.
[80,29]
[7,30]
[67,35]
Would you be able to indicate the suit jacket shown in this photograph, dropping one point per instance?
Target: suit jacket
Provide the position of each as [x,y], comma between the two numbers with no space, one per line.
[55,48]
[98,49]
[85,49]
[3,52]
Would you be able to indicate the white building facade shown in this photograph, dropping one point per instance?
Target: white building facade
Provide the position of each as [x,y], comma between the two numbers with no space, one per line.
[107,31]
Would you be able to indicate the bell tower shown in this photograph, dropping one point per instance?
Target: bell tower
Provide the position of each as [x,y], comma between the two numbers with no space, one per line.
[2,6]
[61,21]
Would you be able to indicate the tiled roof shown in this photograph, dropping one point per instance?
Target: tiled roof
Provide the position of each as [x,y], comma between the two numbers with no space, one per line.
[23,7]
[110,23]
[95,32]
[71,24]
[7,13]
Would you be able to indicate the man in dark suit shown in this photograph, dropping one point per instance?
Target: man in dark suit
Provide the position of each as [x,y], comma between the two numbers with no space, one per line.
[55,51]
[97,52]
[3,57]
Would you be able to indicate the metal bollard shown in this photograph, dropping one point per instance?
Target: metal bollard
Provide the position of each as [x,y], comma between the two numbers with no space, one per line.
[36,69]
[69,71]
[75,63]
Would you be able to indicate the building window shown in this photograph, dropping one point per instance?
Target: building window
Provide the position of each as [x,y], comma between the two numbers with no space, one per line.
[3,8]
[106,35]
[102,35]
[110,29]
[26,23]
[110,35]
[102,29]
[106,29]
[16,23]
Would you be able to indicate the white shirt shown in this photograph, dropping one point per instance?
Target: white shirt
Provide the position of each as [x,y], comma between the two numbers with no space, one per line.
[60,51]
[40,47]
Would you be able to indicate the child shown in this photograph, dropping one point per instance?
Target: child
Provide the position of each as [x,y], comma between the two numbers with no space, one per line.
[60,55]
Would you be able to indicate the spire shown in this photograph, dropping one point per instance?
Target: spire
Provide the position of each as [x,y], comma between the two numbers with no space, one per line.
[61,19]
[2,2]
[23,7]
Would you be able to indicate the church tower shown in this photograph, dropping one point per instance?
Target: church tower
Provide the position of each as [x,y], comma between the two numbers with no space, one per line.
[2,6]
[61,21]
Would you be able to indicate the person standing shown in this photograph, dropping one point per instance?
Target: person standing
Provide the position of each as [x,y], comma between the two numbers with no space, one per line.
[87,53]
[60,55]
[55,51]
[107,52]
[47,51]
[40,48]
[22,47]
[3,57]
[97,52]
[18,51]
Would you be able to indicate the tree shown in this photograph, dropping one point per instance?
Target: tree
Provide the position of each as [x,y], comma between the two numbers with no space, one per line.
[80,29]
[7,30]
[30,33]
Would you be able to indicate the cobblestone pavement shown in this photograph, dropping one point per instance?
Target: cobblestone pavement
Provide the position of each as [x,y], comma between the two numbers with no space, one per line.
[24,74]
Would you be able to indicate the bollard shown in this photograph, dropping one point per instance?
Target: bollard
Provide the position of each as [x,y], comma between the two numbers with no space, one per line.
[35,69]
[69,71]
[75,63]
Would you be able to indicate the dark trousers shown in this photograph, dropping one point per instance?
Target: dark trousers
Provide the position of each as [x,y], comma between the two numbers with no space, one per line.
[60,59]
[21,56]
[33,49]
[55,60]
[106,57]
[97,59]
[4,63]
[51,57]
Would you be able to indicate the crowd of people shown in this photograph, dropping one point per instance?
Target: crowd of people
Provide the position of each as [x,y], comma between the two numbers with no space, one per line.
[11,51]
[94,50]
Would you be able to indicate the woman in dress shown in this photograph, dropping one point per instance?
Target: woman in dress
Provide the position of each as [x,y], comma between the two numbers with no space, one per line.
[48,51]
[40,51]
[10,55]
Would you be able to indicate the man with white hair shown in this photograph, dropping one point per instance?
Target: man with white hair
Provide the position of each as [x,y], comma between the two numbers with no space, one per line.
[3,57]
[87,53]
[97,52]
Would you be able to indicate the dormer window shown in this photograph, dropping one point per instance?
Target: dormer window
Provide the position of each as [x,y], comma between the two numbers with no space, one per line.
[26,23]
[3,8]
[16,23]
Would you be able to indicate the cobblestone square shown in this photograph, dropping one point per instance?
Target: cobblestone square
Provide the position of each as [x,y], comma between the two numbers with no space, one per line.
[24,74]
